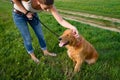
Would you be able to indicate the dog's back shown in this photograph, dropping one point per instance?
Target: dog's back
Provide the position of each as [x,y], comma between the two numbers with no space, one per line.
[84,49]
[90,52]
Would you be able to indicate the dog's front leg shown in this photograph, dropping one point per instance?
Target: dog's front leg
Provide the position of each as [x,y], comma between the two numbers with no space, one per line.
[78,65]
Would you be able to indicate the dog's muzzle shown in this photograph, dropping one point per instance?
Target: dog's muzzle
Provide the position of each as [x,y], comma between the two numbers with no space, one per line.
[61,43]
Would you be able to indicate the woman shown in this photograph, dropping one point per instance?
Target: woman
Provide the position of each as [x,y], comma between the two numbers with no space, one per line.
[25,12]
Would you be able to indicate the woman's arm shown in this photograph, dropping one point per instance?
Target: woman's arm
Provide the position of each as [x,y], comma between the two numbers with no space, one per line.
[19,4]
[60,20]
[63,22]
[22,9]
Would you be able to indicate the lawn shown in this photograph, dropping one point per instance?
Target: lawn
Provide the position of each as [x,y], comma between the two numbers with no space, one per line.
[110,8]
[15,63]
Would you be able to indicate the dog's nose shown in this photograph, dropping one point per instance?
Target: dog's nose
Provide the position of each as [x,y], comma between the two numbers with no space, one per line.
[60,39]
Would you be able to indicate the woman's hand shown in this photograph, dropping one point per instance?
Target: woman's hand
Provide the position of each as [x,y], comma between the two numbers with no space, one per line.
[29,15]
[75,32]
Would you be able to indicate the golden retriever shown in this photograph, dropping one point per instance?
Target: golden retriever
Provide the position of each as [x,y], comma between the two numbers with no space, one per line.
[78,49]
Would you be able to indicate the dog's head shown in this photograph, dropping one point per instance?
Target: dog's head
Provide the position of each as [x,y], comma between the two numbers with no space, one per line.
[67,38]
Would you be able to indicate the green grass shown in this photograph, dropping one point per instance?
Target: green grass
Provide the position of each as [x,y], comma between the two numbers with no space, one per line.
[97,21]
[109,8]
[15,63]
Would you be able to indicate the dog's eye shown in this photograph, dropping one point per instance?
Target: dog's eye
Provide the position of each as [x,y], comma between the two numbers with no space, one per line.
[60,39]
[67,35]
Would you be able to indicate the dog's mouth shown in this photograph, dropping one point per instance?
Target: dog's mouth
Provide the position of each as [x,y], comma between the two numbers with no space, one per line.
[61,44]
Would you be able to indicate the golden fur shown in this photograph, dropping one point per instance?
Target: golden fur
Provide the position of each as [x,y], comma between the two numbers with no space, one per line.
[79,50]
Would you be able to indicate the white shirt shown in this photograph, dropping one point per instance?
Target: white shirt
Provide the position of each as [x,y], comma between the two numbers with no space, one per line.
[27,6]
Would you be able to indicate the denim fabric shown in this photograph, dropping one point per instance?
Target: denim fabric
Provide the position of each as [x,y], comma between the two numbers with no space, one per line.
[21,22]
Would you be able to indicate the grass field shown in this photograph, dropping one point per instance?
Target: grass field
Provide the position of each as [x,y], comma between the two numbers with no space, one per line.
[109,8]
[15,63]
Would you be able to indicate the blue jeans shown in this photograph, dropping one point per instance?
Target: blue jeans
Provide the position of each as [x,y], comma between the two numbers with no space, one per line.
[21,22]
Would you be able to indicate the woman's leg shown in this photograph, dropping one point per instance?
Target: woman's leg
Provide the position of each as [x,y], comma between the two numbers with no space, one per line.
[21,23]
[35,23]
